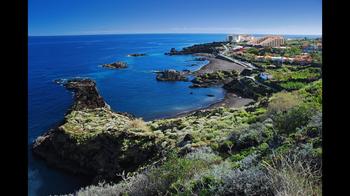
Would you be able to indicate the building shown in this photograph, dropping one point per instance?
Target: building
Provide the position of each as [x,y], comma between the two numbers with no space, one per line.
[237,48]
[263,76]
[279,59]
[247,38]
[232,38]
[272,41]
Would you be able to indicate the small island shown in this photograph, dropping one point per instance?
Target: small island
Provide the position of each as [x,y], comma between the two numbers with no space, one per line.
[136,54]
[172,75]
[116,65]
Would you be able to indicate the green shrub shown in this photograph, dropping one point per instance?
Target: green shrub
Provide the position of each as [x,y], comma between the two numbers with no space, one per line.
[283,101]
[289,121]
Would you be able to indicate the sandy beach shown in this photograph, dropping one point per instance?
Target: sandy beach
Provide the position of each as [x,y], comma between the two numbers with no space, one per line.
[217,65]
[231,100]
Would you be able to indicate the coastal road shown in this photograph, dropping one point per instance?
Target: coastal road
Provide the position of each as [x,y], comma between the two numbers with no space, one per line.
[244,64]
[258,82]
[223,55]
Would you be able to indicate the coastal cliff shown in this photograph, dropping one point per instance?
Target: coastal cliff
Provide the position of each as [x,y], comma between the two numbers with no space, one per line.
[215,148]
[94,141]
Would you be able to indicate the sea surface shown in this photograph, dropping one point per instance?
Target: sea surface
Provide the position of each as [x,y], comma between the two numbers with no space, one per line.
[134,89]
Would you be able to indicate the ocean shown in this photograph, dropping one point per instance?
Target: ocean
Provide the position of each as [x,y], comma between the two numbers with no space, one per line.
[134,89]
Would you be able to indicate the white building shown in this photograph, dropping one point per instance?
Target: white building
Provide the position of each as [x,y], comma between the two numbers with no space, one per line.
[233,38]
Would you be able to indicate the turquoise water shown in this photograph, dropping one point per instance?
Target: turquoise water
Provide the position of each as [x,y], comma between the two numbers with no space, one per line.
[134,90]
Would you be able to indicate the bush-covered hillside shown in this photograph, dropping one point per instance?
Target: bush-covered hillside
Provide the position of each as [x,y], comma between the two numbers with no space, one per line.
[265,149]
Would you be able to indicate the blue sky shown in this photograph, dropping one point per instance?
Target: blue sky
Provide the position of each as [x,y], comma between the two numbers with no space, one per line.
[86,17]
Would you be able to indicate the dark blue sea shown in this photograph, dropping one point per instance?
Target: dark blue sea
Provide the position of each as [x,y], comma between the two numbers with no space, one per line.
[134,90]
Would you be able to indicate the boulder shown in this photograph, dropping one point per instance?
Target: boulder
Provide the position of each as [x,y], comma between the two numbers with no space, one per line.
[186,140]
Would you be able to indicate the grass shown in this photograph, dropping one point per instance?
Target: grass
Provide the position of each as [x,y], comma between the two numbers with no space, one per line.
[241,140]
[283,101]
[292,176]
[138,124]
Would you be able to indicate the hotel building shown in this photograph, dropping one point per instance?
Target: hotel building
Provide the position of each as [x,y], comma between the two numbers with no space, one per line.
[273,41]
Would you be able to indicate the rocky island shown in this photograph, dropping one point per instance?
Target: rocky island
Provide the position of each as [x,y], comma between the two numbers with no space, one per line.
[136,54]
[172,75]
[116,65]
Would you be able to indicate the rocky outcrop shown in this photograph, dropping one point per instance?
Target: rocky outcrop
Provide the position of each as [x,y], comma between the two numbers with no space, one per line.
[136,54]
[100,157]
[94,141]
[86,95]
[116,65]
[212,79]
[247,87]
[198,48]
[172,75]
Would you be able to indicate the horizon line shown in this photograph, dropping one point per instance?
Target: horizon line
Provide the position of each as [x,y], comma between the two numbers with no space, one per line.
[58,35]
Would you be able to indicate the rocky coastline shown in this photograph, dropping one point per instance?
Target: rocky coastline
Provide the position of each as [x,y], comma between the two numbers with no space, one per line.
[172,75]
[210,48]
[94,141]
[213,79]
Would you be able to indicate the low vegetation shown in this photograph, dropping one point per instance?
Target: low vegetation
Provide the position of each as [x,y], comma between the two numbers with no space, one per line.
[273,150]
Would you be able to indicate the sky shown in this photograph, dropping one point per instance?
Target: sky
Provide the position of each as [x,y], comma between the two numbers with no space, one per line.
[90,17]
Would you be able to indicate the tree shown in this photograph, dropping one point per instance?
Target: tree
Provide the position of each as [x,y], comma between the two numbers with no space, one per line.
[293,51]
[253,50]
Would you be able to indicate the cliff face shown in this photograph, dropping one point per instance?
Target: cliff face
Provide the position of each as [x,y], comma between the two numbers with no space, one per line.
[95,141]
[86,95]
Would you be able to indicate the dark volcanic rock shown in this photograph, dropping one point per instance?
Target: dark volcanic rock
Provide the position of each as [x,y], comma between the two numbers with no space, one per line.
[86,95]
[98,148]
[198,48]
[247,87]
[186,140]
[116,65]
[246,72]
[212,79]
[100,157]
[137,54]
[171,75]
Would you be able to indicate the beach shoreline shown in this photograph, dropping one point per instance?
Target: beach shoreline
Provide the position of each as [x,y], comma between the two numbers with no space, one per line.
[216,64]
[230,100]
